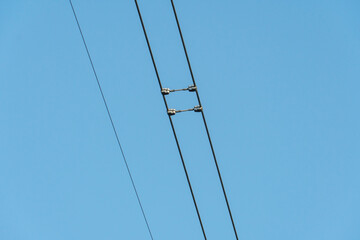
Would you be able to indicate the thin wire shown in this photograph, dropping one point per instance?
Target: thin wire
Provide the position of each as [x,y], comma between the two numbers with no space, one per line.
[177,90]
[171,122]
[203,116]
[112,123]
[185,110]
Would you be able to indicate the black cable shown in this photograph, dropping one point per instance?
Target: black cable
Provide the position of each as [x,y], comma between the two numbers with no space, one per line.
[171,122]
[203,116]
[112,123]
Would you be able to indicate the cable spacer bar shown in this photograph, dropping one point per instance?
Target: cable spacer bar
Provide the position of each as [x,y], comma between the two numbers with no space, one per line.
[178,90]
[172,111]
[167,91]
[185,110]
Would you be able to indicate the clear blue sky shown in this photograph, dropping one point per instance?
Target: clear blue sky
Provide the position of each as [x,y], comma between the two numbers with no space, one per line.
[279,81]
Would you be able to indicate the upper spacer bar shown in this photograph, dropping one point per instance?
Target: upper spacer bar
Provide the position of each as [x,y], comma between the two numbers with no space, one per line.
[167,91]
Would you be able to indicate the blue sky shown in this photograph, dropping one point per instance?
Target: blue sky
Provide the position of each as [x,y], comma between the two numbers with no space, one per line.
[279,81]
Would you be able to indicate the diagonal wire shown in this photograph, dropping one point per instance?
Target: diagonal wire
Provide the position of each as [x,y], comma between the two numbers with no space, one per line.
[203,117]
[112,122]
[171,122]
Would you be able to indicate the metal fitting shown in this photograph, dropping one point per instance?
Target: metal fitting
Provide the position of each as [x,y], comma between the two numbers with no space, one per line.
[165,91]
[192,88]
[171,112]
[198,108]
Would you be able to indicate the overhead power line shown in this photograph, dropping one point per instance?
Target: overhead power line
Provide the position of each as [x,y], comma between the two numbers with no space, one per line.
[111,120]
[204,120]
[171,122]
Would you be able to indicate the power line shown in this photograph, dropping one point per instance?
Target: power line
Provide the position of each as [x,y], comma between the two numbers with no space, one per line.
[112,122]
[171,122]
[204,120]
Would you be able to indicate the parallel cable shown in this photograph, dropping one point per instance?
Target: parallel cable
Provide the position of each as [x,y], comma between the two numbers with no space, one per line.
[203,117]
[112,122]
[171,122]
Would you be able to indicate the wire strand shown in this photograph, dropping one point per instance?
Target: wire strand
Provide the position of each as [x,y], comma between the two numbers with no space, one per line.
[111,120]
[171,122]
[204,120]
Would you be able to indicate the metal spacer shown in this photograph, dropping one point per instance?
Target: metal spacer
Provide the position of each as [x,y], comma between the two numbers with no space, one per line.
[165,91]
[192,88]
[198,108]
[171,112]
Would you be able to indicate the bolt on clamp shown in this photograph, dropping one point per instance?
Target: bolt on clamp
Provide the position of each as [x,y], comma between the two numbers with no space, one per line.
[165,91]
[171,112]
[198,108]
[192,88]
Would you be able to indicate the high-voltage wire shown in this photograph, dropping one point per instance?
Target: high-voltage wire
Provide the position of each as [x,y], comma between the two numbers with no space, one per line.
[171,122]
[204,120]
[112,122]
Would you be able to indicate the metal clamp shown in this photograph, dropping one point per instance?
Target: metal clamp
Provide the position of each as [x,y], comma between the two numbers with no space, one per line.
[198,108]
[171,112]
[165,91]
[192,88]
